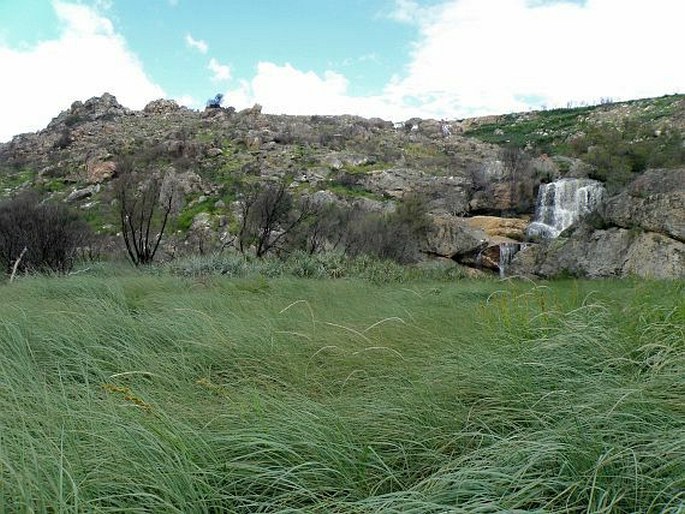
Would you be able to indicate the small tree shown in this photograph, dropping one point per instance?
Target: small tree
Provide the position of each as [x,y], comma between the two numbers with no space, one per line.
[145,204]
[215,103]
[324,230]
[269,216]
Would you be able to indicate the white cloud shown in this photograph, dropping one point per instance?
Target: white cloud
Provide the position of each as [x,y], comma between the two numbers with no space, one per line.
[405,11]
[470,57]
[287,90]
[491,56]
[187,101]
[88,59]
[198,45]
[411,12]
[475,57]
[221,72]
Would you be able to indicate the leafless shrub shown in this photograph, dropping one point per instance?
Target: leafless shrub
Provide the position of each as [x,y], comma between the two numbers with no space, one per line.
[47,236]
[145,203]
[396,236]
[269,216]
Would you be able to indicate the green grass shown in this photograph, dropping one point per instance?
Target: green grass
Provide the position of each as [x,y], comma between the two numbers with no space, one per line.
[143,392]
[544,130]
[185,219]
[351,191]
[12,179]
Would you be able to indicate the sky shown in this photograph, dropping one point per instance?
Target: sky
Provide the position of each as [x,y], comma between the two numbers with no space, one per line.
[393,59]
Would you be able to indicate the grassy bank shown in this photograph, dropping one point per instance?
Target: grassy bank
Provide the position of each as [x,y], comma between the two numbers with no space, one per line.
[202,393]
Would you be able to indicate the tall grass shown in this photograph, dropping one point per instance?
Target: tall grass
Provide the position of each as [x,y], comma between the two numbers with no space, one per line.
[141,393]
[318,266]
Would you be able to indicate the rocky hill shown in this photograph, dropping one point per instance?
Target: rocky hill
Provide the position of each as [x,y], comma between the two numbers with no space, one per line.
[481,178]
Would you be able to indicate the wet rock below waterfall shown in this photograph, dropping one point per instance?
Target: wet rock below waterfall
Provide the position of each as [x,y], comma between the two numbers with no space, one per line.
[480,242]
[450,236]
[614,252]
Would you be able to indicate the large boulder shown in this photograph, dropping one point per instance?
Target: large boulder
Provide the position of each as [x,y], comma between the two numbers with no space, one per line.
[481,242]
[654,202]
[99,170]
[161,106]
[615,252]
[591,253]
[655,256]
[445,194]
[451,237]
[103,108]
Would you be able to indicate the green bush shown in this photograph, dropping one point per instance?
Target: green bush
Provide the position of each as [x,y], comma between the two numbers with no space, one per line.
[320,266]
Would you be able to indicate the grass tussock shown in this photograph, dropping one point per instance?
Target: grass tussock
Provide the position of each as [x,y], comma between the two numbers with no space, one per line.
[202,393]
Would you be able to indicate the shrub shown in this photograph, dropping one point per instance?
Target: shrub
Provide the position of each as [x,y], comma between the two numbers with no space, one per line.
[269,215]
[145,204]
[323,231]
[395,236]
[39,237]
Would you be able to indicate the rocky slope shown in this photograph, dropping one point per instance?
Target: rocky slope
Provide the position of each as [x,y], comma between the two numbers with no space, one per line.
[479,176]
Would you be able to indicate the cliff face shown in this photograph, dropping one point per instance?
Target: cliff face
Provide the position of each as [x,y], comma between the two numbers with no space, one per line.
[639,231]
[469,170]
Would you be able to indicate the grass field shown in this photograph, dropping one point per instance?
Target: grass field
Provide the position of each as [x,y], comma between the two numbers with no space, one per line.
[140,393]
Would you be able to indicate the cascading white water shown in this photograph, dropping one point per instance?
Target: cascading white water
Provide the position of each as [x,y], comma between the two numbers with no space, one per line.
[563,202]
[506,255]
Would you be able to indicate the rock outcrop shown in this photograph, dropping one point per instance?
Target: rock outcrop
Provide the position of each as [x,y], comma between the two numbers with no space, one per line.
[654,202]
[641,233]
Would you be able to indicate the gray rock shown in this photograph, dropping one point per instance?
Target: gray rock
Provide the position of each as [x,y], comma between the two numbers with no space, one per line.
[323,198]
[645,235]
[202,220]
[82,194]
[450,236]
[655,202]
[591,253]
[214,152]
[161,106]
[655,256]
[615,252]
[446,194]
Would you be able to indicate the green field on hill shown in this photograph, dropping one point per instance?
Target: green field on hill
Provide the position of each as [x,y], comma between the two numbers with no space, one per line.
[140,392]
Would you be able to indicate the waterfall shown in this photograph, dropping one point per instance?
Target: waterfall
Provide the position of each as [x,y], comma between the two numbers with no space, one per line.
[506,255]
[563,202]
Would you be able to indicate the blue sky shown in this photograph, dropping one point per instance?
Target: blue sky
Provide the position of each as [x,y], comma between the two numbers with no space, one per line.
[353,36]
[393,59]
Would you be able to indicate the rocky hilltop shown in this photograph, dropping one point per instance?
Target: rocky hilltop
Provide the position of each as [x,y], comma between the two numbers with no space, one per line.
[482,179]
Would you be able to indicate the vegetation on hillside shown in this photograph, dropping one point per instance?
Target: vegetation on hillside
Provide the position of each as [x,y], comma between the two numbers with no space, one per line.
[618,140]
